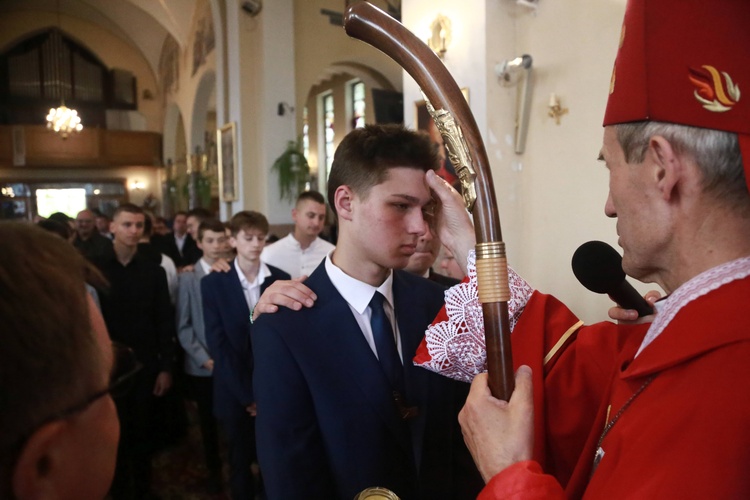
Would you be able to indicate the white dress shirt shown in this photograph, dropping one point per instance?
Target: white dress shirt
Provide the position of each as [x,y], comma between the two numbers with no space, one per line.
[180,241]
[288,255]
[358,295]
[171,271]
[204,265]
[252,290]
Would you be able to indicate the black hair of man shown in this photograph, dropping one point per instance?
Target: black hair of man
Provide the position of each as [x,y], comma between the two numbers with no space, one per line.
[365,155]
[311,195]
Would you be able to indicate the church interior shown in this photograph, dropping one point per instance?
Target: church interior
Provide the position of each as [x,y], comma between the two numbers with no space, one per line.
[187,103]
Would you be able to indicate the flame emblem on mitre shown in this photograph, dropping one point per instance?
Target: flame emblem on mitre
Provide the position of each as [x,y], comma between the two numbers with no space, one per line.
[714,90]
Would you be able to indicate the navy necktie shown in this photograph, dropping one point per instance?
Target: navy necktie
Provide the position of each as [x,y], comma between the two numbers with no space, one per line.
[385,342]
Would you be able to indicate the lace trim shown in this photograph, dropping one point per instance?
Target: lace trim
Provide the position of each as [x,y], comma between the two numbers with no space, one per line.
[456,346]
[699,286]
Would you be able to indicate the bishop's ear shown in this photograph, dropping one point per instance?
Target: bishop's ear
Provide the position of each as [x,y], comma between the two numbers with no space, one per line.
[667,164]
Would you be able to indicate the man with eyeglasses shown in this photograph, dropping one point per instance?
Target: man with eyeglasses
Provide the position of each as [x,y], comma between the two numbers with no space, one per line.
[59,423]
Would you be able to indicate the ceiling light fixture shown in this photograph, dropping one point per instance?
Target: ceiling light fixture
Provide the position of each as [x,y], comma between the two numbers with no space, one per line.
[63,120]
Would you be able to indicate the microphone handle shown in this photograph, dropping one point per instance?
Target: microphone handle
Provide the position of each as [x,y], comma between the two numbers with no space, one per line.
[629,298]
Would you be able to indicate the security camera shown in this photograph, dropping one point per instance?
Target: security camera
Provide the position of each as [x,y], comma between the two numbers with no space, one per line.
[252,7]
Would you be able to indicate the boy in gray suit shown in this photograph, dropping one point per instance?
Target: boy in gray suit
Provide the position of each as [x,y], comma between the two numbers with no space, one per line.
[191,333]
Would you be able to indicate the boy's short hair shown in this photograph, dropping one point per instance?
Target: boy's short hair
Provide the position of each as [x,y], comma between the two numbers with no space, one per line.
[311,195]
[248,219]
[363,158]
[130,208]
[211,224]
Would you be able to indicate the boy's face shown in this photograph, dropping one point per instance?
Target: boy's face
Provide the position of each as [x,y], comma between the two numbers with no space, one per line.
[102,224]
[309,218]
[192,224]
[128,228]
[227,248]
[389,220]
[249,243]
[179,226]
[213,245]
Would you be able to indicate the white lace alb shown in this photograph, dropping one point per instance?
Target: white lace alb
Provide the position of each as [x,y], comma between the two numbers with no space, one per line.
[456,346]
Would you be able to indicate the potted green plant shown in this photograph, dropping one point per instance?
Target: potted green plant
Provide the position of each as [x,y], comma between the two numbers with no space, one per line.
[293,170]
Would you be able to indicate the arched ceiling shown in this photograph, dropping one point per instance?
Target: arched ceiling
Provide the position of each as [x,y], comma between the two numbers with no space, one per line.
[143,23]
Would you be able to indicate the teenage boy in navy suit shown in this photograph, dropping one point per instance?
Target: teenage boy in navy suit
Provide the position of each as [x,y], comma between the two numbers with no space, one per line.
[228,299]
[334,417]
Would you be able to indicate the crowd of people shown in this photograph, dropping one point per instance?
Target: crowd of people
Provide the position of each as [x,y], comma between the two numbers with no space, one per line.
[355,366]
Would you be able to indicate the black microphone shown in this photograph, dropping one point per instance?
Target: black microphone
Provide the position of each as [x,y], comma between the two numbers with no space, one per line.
[598,267]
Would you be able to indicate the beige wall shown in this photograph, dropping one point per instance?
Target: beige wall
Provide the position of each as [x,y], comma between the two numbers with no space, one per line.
[551,198]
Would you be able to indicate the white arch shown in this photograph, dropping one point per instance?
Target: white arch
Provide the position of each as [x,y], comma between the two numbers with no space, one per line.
[201,100]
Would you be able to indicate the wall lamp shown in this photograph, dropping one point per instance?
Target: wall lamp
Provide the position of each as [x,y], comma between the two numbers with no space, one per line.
[509,72]
[439,38]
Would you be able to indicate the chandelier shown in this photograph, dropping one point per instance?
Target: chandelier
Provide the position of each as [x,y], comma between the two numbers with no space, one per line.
[64,120]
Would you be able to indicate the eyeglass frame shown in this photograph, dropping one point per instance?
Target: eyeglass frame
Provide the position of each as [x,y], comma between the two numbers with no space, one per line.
[111,388]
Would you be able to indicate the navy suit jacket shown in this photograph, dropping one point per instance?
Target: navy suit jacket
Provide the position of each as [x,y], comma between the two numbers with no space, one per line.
[227,321]
[327,425]
[441,279]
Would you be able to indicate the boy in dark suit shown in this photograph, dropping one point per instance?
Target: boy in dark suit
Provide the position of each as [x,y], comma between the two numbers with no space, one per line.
[228,299]
[340,406]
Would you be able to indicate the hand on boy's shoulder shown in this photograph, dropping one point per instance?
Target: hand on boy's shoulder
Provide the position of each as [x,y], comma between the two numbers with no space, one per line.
[220,266]
[286,293]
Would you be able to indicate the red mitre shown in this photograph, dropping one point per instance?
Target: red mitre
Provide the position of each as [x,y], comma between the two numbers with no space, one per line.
[685,62]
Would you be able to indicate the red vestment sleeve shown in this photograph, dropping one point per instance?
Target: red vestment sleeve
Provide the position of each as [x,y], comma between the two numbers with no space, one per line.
[522,480]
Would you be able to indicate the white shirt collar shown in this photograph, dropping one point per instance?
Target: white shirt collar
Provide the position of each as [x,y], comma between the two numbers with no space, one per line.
[296,244]
[204,265]
[293,241]
[357,293]
[263,273]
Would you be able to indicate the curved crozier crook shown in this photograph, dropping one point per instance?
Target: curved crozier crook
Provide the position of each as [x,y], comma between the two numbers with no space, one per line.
[366,22]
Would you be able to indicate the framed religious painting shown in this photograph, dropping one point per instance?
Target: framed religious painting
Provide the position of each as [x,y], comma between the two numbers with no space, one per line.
[227,160]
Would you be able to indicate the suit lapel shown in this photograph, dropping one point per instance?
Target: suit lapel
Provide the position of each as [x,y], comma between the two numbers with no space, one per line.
[235,293]
[198,270]
[334,322]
